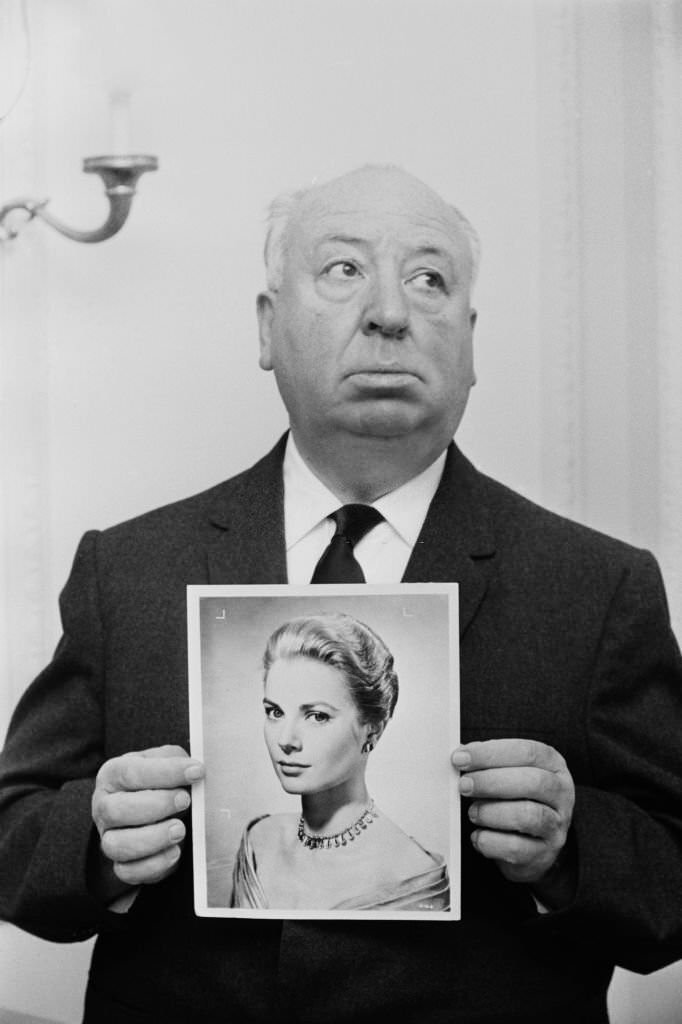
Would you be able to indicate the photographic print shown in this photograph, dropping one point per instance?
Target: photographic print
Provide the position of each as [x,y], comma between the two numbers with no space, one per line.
[325,716]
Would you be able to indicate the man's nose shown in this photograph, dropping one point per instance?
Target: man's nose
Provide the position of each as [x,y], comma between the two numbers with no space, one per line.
[386,311]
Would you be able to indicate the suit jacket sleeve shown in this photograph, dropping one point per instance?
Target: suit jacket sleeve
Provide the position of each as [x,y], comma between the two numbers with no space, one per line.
[627,824]
[47,774]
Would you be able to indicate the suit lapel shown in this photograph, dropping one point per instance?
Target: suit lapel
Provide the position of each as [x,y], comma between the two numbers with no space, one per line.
[456,543]
[250,545]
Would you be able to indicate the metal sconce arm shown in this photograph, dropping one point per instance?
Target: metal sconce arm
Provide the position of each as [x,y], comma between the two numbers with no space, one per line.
[120,175]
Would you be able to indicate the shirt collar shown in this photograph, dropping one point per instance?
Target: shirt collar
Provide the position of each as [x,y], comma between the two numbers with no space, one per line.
[307,501]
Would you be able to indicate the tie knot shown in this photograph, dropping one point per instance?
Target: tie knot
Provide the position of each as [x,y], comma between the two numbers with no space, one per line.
[338,563]
[354,521]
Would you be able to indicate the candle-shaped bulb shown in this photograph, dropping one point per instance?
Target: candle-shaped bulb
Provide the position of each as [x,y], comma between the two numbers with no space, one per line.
[119,105]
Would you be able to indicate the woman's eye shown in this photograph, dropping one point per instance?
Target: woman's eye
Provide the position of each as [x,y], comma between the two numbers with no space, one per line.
[272,712]
[319,716]
[428,281]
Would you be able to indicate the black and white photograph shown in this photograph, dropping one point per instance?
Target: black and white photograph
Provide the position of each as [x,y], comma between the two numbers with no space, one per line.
[324,721]
[305,294]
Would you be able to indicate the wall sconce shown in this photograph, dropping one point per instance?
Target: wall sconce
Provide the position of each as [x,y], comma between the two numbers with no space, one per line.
[120,175]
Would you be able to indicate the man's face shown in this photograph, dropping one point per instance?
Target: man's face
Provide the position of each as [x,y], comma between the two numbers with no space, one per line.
[370,332]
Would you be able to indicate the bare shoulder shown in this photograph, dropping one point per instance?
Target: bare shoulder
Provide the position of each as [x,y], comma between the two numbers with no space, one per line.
[408,857]
[272,832]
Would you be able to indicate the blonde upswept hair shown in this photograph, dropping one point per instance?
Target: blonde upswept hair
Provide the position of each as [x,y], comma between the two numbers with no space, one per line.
[346,644]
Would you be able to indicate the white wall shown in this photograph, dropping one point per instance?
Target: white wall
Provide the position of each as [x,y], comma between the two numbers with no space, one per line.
[129,373]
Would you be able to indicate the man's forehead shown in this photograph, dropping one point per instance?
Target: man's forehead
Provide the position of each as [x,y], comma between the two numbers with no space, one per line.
[363,202]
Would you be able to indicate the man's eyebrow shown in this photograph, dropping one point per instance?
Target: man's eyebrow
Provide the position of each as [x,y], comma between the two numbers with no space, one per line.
[433,250]
[427,249]
[347,239]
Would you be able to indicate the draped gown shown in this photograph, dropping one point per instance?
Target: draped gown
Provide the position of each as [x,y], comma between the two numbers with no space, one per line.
[428,890]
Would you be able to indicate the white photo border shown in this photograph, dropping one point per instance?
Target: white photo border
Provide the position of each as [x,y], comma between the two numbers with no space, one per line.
[195,594]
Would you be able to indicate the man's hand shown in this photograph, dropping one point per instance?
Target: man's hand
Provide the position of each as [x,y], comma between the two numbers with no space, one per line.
[134,805]
[522,803]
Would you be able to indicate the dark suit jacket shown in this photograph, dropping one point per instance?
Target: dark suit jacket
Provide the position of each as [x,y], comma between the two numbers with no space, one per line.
[564,637]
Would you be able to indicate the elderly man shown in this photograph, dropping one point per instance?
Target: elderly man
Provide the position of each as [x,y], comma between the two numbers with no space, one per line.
[570,677]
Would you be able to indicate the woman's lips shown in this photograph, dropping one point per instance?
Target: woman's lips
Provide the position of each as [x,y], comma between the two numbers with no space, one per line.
[291,767]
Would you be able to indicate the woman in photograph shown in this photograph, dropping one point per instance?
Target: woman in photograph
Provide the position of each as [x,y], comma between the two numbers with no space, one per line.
[330,690]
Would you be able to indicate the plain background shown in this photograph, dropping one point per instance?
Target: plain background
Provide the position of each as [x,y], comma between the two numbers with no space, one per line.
[128,372]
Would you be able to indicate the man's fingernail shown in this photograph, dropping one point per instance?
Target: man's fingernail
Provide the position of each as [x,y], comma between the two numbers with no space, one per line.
[176,832]
[194,772]
[182,800]
[461,759]
[466,786]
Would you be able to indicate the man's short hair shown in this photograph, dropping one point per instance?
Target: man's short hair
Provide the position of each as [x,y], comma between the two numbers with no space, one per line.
[279,216]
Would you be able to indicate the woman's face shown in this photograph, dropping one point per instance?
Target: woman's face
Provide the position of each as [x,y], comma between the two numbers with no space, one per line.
[312,727]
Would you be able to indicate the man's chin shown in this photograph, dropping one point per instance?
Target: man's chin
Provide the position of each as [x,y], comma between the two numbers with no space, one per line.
[387,419]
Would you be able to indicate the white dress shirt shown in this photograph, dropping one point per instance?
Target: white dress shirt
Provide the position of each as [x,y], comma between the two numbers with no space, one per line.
[384,552]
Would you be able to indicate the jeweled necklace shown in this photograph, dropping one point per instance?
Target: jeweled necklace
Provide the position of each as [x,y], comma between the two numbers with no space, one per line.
[347,835]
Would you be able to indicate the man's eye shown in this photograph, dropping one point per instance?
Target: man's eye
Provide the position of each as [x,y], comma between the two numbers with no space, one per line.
[342,271]
[428,281]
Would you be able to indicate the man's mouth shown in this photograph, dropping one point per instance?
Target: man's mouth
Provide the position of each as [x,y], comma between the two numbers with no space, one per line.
[379,377]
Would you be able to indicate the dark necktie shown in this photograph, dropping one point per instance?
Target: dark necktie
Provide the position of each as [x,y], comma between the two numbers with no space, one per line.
[338,563]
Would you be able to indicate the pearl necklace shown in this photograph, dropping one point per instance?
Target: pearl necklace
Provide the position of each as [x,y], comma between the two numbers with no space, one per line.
[347,835]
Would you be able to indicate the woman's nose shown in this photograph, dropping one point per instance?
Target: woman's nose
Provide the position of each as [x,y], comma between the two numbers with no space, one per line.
[289,739]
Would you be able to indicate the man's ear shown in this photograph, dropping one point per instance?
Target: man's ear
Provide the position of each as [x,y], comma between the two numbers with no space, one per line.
[265,310]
